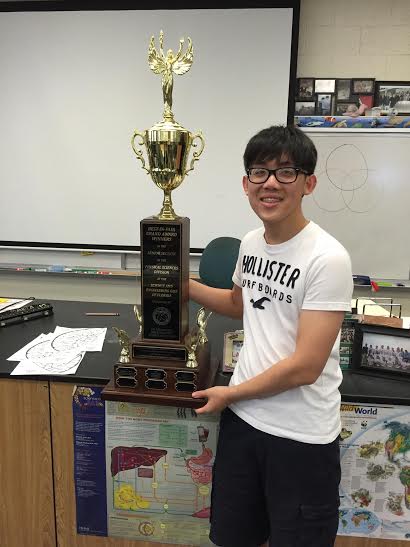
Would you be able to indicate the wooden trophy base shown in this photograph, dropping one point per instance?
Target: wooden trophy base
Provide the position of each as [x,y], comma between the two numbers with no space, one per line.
[162,381]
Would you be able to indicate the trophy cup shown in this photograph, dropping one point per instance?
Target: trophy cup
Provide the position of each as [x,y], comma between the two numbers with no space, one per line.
[165,360]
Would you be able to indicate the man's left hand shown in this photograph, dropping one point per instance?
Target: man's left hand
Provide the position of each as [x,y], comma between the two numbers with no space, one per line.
[218,397]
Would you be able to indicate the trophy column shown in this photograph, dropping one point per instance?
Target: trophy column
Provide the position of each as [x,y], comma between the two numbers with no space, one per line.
[164,289]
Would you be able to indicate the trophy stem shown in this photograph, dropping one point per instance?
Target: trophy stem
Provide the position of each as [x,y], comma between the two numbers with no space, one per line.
[167,212]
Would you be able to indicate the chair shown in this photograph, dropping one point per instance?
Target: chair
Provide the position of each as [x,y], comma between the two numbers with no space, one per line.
[218,262]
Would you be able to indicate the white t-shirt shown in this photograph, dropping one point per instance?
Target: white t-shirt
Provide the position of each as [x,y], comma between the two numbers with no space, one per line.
[311,271]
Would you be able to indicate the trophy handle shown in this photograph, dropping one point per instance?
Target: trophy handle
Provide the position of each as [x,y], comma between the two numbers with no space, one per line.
[138,152]
[198,152]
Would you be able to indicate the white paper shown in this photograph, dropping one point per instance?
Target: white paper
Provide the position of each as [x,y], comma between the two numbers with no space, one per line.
[20,355]
[406,322]
[372,307]
[7,304]
[83,339]
[59,352]
[65,364]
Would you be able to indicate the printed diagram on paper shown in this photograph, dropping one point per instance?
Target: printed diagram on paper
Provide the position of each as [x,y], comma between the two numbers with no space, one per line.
[60,352]
[44,356]
[375,459]
[159,472]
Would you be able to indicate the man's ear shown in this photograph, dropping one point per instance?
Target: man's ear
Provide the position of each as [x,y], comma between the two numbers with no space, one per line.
[245,183]
[310,184]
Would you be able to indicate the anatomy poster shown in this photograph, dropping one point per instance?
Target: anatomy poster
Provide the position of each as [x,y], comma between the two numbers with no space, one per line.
[159,470]
[375,459]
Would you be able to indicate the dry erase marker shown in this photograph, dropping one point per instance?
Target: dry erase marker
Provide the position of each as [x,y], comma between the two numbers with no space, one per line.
[102,313]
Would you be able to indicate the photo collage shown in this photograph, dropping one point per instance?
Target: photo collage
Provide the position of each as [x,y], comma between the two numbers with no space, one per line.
[351,97]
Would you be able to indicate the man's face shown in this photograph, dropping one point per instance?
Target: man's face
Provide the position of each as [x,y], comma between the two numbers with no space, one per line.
[275,202]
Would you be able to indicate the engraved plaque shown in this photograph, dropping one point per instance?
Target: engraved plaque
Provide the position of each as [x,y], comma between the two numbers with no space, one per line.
[164,270]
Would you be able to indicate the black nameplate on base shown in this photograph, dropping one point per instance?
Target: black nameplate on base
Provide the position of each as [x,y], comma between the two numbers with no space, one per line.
[162,381]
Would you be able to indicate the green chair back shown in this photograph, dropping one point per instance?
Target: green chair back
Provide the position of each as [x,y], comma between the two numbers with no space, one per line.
[218,262]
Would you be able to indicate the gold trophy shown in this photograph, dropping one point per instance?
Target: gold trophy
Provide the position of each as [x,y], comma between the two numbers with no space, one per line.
[167,143]
[166,361]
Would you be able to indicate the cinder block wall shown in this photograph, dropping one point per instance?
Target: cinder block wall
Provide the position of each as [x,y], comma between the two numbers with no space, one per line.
[347,38]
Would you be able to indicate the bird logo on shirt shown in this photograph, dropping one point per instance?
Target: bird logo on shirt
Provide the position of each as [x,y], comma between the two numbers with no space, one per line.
[258,303]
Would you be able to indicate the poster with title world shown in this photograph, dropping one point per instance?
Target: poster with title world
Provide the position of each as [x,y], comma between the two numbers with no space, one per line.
[159,463]
[375,460]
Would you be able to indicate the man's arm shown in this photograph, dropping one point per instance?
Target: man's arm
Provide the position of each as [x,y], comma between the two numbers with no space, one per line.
[223,301]
[317,332]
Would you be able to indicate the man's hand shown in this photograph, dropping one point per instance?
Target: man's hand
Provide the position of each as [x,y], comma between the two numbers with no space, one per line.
[218,397]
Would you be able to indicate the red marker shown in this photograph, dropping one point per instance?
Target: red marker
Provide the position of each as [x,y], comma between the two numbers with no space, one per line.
[375,286]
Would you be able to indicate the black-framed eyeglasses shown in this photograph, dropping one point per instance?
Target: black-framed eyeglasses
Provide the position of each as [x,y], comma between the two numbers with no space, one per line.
[284,175]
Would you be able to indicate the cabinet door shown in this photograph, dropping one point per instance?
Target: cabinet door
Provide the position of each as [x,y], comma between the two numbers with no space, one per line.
[26,501]
[63,457]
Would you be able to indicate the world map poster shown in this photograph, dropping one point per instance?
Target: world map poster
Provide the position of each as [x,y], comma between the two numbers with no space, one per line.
[375,460]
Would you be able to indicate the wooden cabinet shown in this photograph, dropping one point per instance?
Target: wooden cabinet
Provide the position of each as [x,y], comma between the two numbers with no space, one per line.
[26,478]
[37,502]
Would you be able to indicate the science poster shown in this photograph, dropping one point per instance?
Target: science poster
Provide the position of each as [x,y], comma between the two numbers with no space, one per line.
[159,470]
[375,459]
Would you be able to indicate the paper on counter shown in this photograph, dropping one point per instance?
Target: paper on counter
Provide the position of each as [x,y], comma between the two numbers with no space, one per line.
[7,304]
[372,308]
[63,364]
[83,339]
[59,352]
[21,353]
[42,358]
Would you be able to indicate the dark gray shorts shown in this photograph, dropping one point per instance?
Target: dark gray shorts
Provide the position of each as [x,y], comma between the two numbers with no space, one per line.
[271,487]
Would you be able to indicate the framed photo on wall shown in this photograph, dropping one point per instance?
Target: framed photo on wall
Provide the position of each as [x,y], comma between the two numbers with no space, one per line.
[363,86]
[305,88]
[381,351]
[323,85]
[343,89]
[344,107]
[368,100]
[393,95]
[305,108]
[324,104]
[233,342]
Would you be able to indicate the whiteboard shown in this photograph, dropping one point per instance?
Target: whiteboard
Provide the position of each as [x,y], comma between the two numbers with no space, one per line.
[75,87]
[363,198]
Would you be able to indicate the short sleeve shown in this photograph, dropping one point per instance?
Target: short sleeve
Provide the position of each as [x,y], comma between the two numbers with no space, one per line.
[329,283]
[237,274]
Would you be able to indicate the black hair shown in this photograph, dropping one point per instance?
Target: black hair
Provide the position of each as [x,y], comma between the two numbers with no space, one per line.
[277,141]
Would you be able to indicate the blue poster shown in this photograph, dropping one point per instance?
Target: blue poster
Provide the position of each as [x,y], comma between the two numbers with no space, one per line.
[89,461]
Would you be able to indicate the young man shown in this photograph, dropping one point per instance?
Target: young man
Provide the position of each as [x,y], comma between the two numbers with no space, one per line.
[277,468]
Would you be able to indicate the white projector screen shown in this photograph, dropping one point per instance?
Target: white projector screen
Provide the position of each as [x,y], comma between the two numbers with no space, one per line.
[75,87]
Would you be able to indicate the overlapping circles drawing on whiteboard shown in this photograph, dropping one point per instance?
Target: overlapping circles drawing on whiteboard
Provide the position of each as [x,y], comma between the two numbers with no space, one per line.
[344,182]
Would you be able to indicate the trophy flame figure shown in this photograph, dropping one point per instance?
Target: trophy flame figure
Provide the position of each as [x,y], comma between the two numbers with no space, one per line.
[167,65]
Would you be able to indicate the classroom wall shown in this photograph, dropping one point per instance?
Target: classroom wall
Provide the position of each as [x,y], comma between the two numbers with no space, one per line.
[121,289]
[346,38]
[338,38]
